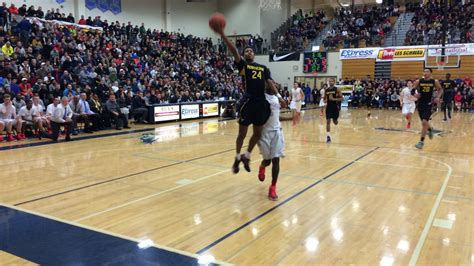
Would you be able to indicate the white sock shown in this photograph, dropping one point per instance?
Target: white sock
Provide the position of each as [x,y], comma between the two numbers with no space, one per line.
[237,156]
[247,154]
[328,134]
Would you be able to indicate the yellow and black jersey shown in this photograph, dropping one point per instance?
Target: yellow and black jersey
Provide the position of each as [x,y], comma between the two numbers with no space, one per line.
[426,89]
[254,77]
[448,89]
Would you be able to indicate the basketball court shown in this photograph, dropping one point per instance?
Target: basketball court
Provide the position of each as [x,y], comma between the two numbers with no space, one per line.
[369,197]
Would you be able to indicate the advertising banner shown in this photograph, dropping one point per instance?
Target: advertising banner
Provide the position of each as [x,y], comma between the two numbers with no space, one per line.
[166,113]
[460,49]
[401,54]
[364,53]
[293,56]
[210,109]
[189,111]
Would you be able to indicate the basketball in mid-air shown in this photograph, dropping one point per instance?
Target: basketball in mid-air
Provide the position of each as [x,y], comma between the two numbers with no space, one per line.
[217,22]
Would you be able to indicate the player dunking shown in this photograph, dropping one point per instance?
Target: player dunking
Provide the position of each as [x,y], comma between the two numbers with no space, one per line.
[369,96]
[426,87]
[253,107]
[448,96]
[332,98]
[272,144]
[407,101]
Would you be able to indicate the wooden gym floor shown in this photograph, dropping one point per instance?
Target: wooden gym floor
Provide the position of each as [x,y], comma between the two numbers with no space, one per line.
[368,198]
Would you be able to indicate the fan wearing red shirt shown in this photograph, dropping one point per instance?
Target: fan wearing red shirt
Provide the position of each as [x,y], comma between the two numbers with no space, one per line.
[25,88]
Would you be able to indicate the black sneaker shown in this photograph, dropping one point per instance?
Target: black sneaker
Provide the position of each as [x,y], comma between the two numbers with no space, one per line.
[246,162]
[235,166]
[328,139]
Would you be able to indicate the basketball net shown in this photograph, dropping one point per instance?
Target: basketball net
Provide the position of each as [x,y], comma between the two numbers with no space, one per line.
[270,4]
[440,65]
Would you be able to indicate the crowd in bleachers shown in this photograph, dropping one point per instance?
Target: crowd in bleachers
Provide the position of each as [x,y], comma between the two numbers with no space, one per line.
[366,23]
[303,29]
[136,66]
[427,24]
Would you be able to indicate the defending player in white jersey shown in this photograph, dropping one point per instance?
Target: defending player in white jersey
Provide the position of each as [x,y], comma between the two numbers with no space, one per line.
[296,98]
[407,101]
[272,143]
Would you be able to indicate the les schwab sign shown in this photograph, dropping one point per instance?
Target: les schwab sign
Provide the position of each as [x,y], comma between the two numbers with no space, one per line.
[401,54]
[210,109]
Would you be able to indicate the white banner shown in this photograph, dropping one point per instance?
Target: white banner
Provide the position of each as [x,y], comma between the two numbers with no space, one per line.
[189,111]
[40,22]
[359,53]
[459,49]
[166,113]
[210,109]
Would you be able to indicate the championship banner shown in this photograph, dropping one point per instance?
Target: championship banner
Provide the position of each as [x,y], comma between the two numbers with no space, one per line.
[166,113]
[115,6]
[91,4]
[103,5]
[401,54]
[280,57]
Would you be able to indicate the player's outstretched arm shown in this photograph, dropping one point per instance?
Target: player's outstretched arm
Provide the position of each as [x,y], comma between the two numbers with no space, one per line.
[231,46]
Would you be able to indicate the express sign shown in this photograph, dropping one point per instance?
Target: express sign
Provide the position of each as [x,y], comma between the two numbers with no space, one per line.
[366,53]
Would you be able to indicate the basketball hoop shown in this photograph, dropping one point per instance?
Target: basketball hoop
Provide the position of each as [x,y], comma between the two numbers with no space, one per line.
[440,65]
[269,4]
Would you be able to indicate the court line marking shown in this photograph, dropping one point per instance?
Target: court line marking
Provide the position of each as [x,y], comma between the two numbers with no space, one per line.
[150,196]
[366,162]
[316,225]
[123,177]
[347,182]
[429,222]
[88,227]
[87,137]
[208,247]
[157,194]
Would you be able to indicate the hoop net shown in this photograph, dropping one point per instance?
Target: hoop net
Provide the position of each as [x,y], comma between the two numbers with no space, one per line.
[440,65]
[270,4]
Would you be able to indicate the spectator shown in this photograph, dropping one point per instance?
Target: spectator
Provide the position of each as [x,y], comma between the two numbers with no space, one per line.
[115,113]
[62,116]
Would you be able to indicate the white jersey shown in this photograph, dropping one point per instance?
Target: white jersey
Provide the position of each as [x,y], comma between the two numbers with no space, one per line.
[272,142]
[406,96]
[38,108]
[296,94]
[27,114]
[273,123]
[7,112]
[50,109]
